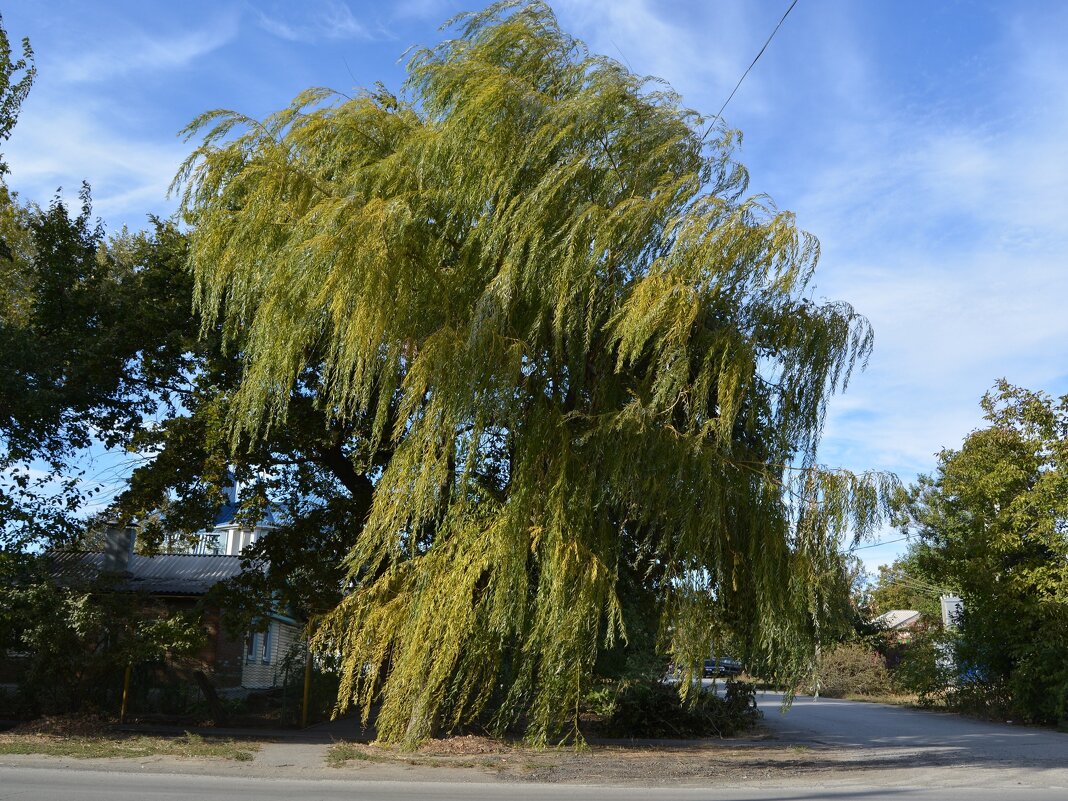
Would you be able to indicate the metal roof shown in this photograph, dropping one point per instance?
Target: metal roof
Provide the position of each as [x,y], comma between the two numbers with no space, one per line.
[164,574]
[897,618]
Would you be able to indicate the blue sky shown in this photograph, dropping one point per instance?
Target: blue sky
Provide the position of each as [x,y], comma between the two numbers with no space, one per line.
[923,143]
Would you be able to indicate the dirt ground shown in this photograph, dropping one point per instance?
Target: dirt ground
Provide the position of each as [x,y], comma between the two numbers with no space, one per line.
[662,762]
[762,758]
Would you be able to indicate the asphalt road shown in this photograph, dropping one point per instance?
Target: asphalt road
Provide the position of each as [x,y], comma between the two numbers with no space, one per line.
[45,784]
[937,738]
[879,753]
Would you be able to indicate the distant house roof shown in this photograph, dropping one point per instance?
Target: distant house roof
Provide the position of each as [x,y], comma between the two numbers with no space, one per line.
[898,619]
[165,574]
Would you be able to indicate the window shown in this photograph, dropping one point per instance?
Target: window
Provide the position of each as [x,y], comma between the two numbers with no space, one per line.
[265,654]
[258,645]
[209,544]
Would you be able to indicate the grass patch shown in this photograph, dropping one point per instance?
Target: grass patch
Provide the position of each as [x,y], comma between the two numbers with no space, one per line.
[893,699]
[460,751]
[340,753]
[136,745]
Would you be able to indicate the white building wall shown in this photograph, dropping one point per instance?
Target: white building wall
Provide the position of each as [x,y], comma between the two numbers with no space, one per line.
[264,667]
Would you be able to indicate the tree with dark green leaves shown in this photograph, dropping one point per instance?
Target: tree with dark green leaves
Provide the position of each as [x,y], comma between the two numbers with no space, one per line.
[93,345]
[579,356]
[994,526]
[16,79]
[71,640]
[100,347]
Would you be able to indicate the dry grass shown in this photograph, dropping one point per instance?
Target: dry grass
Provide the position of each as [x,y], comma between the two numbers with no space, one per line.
[666,763]
[449,752]
[103,746]
[892,699]
[340,753]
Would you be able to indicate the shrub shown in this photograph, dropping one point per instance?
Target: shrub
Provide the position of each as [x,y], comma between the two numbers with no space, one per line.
[1039,684]
[923,668]
[852,669]
[646,708]
[965,673]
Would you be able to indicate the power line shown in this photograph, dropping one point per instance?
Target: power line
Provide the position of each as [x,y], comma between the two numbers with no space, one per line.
[755,60]
[914,583]
[923,589]
[876,544]
[902,575]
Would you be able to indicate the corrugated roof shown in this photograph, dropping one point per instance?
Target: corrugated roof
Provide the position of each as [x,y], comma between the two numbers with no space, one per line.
[897,618]
[164,574]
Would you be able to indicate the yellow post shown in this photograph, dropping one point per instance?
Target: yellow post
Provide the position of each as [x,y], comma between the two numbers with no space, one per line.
[307,686]
[125,692]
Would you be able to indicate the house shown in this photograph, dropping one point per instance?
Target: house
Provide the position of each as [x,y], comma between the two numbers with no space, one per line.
[230,536]
[900,623]
[180,581]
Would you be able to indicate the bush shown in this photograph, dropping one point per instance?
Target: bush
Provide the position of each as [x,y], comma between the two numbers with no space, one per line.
[941,670]
[1039,684]
[964,673]
[75,642]
[646,708]
[852,669]
[923,668]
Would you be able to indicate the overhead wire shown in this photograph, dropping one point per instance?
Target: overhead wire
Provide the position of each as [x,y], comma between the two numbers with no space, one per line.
[755,60]
[900,573]
[923,589]
[914,583]
[876,544]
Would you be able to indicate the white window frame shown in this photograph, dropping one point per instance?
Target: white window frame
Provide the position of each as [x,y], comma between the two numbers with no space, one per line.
[265,645]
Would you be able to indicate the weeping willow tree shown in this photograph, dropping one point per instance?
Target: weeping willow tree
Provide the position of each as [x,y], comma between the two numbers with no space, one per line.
[587,351]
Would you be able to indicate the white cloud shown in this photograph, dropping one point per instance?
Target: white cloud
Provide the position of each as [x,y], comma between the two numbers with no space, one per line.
[64,146]
[946,226]
[141,52]
[332,20]
[673,43]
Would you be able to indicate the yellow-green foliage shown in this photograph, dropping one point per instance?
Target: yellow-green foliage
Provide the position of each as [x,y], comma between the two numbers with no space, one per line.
[578,338]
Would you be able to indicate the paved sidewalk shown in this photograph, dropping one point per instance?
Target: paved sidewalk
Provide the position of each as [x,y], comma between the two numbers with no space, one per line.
[283,751]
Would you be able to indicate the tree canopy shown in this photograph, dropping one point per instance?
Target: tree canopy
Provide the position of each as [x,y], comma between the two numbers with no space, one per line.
[589,358]
[16,78]
[994,526]
[905,584]
[100,346]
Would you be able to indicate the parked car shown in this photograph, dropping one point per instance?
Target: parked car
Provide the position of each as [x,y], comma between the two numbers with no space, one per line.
[721,666]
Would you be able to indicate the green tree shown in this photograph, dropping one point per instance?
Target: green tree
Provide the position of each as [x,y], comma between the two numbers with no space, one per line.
[100,345]
[994,522]
[906,585]
[75,638]
[91,345]
[583,352]
[16,79]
